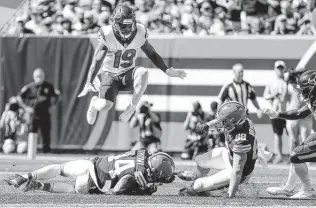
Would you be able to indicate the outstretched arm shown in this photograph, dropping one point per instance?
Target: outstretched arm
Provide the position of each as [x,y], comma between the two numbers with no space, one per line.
[289,115]
[97,60]
[295,114]
[239,161]
[151,53]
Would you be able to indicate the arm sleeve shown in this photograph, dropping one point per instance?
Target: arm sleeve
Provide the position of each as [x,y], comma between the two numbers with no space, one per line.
[141,159]
[295,114]
[102,37]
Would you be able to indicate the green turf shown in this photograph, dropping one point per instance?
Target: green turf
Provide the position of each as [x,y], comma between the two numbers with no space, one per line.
[251,195]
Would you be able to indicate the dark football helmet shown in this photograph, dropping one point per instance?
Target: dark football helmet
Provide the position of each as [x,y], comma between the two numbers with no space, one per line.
[307,86]
[124,21]
[162,168]
[231,114]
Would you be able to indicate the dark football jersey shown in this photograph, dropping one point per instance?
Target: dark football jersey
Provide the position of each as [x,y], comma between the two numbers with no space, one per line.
[114,167]
[243,139]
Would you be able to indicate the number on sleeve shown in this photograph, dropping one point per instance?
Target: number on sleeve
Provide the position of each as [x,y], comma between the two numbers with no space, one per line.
[128,58]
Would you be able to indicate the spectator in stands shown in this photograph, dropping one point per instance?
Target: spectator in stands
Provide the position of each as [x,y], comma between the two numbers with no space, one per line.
[276,92]
[239,90]
[36,24]
[194,144]
[89,26]
[206,18]
[149,128]
[19,28]
[287,22]
[221,25]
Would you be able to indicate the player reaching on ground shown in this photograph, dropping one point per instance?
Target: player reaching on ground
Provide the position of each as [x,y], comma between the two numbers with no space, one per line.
[235,163]
[115,56]
[306,151]
[128,173]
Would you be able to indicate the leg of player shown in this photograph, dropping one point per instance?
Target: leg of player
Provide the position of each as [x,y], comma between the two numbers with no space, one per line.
[140,78]
[70,169]
[288,188]
[300,155]
[216,159]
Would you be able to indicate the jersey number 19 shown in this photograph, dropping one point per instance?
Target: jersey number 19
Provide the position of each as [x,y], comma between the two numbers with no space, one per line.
[128,58]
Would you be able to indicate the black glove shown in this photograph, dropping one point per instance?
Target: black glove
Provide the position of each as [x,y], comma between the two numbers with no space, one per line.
[170,179]
[201,129]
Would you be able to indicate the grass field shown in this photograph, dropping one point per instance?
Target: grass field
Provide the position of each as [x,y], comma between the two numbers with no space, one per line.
[252,195]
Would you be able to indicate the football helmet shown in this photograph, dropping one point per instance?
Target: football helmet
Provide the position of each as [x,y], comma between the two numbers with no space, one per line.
[307,86]
[230,115]
[162,168]
[124,21]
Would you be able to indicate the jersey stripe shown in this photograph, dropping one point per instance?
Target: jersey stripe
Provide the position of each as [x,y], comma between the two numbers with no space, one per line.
[242,148]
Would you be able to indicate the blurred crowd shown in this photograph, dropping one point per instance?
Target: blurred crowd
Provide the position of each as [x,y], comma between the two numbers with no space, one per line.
[187,17]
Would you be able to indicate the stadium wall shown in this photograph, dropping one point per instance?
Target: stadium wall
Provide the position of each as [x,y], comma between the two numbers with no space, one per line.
[207,60]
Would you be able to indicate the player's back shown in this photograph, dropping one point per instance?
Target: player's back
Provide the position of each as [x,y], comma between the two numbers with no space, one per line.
[122,53]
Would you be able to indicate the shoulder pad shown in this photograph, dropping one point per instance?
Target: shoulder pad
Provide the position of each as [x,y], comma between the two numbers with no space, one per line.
[103,33]
[142,29]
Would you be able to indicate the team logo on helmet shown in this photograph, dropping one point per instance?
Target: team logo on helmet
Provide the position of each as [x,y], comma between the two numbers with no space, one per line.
[230,115]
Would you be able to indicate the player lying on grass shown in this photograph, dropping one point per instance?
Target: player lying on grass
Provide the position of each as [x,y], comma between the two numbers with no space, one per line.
[114,61]
[234,164]
[131,173]
[306,152]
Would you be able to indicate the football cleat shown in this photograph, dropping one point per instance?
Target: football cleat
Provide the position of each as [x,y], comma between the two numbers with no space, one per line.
[192,192]
[92,112]
[32,185]
[280,191]
[187,175]
[127,114]
[17,181]
[304,194]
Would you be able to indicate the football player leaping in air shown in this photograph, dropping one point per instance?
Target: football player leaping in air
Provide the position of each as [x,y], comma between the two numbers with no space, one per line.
[235,163]
[131,173]
[306,152]
[114,61]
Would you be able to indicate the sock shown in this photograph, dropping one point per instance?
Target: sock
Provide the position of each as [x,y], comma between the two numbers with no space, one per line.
[291,180]
[301,171]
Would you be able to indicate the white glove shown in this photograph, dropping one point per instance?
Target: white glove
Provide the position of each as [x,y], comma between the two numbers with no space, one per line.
[140,179]
[259,113]
[171,72]
[271,113]
[87,88]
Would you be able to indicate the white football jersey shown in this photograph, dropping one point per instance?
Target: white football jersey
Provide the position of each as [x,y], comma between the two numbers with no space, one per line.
[121,56]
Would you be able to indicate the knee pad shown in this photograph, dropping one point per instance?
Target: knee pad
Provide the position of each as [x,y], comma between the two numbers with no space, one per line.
[141,71]
[101,103]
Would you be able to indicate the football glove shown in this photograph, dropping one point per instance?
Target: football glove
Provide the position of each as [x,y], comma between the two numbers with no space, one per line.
[201,129]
